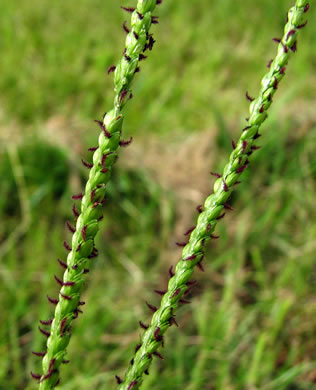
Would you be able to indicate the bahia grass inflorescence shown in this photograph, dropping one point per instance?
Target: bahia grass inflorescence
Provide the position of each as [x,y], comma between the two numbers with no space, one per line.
[82,249]
[213,208]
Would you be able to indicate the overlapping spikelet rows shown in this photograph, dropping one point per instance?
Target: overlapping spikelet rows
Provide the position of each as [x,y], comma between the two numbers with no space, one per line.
[213,208]
[82,249]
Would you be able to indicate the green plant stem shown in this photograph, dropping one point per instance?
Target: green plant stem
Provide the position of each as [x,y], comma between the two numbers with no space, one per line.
[82,248]
[192,253]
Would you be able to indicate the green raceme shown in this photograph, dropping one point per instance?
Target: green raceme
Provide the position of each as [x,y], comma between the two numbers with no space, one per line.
[214,205]
[82,249]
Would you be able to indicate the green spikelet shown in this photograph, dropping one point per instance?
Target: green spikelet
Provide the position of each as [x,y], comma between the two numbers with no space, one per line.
[192,253]
[82,247]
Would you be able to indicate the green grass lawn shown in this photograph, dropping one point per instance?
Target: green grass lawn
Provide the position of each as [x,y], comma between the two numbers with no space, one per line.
[252,321]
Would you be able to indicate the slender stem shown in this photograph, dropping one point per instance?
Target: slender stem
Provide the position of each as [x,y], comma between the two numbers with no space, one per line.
[82,249]
[192,253]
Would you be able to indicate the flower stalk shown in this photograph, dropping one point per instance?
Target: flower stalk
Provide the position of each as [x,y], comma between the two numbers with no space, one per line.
[212,210]
[82,248]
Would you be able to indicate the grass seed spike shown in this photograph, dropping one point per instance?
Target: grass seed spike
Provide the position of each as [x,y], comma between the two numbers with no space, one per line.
[210,212]
[82,248]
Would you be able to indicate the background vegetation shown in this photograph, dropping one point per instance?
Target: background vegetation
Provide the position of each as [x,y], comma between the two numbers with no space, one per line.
[251,324]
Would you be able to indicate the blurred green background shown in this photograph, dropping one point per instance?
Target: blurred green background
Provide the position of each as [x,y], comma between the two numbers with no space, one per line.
[251,324]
